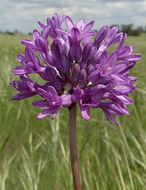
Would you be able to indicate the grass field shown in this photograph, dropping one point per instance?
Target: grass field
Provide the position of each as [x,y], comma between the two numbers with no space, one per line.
[34,154]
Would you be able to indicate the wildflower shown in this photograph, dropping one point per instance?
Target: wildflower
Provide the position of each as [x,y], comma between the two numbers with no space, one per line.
[76,69]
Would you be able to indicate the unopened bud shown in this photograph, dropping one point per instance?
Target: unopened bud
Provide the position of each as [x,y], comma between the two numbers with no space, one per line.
[83,75]
[75,73]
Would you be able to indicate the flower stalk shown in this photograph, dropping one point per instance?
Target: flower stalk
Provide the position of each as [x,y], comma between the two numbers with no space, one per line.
[73,147]
[76,70]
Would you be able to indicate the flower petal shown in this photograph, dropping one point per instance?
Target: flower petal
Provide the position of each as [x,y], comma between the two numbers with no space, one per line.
[80,23]
[100,36]
[77,94]
[88,26]
[69,23]
[44,113]
[23,95]
[29,43]
[43,104]
[66,100]
[43,93]
[85,112]
[94,77]
[20,70]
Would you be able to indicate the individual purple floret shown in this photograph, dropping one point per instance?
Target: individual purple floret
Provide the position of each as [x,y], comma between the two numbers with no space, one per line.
[76,68]
[52,102]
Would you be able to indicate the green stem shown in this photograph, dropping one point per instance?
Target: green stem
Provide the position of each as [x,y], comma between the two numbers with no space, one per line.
[73,147]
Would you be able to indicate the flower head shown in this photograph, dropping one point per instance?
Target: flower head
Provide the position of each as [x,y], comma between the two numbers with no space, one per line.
[76,69]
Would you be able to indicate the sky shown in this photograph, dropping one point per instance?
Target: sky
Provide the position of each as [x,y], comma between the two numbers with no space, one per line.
[24,14]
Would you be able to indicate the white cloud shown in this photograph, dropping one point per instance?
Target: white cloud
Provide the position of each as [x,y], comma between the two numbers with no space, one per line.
[116,5]
[50,10]
[60,11]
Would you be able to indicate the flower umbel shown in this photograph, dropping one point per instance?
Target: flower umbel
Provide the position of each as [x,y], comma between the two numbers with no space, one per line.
[76,69]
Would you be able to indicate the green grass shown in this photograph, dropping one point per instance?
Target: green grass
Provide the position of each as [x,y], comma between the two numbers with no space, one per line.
[34,154]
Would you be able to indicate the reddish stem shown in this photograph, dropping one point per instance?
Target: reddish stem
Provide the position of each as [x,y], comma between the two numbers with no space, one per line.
[73,147]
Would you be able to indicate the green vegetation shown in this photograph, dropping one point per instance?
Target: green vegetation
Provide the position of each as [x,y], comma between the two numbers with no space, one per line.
[34,154]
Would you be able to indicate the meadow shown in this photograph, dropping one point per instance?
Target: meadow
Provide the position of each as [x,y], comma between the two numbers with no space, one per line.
[34,154]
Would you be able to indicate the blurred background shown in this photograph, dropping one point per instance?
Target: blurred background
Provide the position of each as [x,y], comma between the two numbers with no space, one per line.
[34,154]
[22,15]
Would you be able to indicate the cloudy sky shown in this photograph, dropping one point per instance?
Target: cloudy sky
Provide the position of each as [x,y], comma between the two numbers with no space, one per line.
[24,14]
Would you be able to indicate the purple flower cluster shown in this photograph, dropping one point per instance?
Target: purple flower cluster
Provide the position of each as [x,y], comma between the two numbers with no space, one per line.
[76,69]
